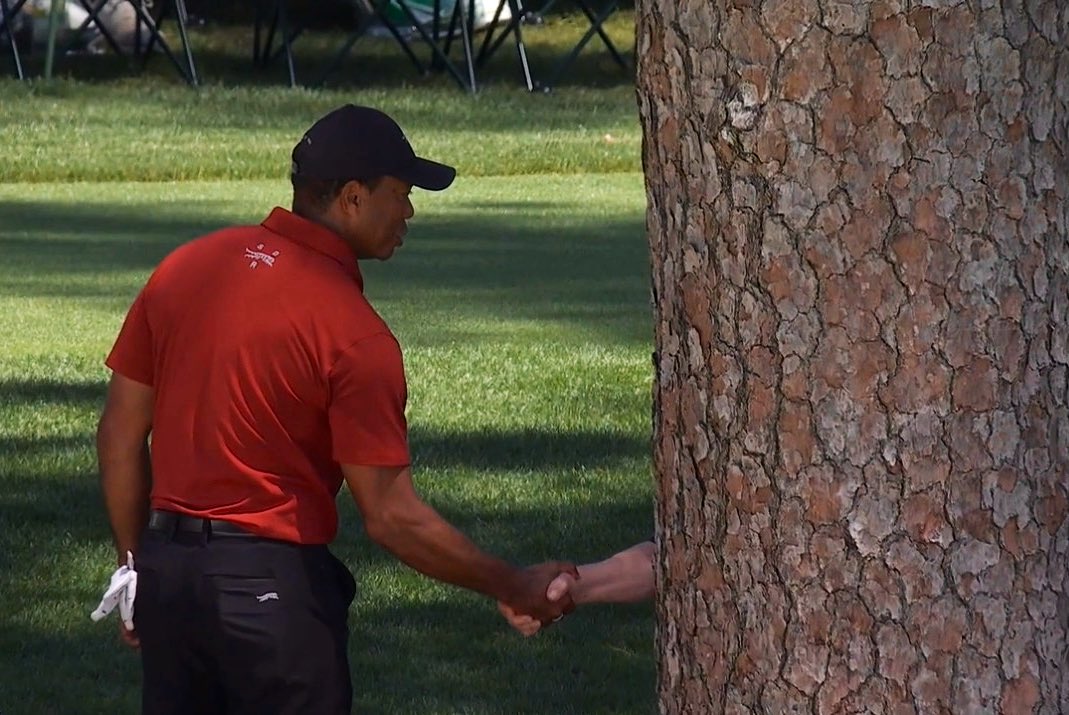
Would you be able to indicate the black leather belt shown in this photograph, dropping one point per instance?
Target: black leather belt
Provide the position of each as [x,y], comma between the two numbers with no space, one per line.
[169,522]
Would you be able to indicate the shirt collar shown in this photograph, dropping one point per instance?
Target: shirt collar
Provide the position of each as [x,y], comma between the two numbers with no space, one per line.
[314,237]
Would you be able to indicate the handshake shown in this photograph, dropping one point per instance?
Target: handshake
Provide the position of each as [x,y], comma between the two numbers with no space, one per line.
[538,596]
[558,600]
[624,577]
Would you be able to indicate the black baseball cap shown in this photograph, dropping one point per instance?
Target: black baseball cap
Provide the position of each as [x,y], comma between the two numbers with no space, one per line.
[362,143]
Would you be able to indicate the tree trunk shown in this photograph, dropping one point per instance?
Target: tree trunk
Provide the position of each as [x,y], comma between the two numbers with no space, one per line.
[858,218]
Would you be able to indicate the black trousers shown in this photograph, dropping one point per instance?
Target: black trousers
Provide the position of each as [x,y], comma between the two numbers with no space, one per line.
[235,625]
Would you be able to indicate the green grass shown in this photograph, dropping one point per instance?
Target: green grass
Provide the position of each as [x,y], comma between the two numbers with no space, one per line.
[526,328]
[520,297]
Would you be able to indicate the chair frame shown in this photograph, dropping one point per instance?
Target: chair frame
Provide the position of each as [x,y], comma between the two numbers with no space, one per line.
[144,18]
[10,11]
[265,51]
[596,18]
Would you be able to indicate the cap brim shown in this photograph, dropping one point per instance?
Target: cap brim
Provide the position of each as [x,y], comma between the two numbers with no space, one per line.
[429,175]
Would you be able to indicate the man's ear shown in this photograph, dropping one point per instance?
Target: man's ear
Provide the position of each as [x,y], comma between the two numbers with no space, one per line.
[352,196]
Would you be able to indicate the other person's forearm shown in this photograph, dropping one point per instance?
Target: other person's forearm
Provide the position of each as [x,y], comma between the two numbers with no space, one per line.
[624,577]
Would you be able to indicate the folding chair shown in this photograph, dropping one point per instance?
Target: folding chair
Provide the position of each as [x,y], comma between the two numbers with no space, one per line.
[597,20]
[272,19]
[461,18]
[263,53]
[517,17]
[596,12]
[152,25]
[9,11]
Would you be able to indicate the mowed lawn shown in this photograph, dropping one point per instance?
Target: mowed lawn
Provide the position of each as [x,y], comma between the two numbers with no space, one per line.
[520,297]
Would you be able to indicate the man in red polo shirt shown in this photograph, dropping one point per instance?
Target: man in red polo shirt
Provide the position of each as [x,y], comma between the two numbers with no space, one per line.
[266,379]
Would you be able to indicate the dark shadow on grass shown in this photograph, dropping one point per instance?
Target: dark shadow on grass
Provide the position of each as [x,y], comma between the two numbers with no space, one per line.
[431,448]
[451,656]
[523,449]
[10,446]
[591,272]
[30,391]
[446,651]
[63,237]
[593,663]
[43,476]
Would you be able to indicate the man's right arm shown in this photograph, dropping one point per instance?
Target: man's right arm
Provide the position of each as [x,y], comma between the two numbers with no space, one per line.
[397,519]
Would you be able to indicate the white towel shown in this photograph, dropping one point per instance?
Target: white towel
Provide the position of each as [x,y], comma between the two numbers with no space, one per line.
[120,592]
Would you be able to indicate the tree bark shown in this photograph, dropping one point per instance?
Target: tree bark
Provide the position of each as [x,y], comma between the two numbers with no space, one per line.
[858,218]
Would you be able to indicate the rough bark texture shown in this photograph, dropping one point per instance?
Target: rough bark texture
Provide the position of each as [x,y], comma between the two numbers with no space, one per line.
[858,218]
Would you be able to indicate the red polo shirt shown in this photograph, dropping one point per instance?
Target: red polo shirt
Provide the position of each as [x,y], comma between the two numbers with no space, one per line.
[270,368]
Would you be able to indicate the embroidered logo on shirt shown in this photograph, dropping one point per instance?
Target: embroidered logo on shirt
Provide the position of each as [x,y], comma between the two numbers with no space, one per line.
[258,256]
[269,596]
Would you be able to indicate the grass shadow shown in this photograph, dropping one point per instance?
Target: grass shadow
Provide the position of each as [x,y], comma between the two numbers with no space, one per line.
[416,647]
[81,394]
[587,271]
[456,656]
[528,449]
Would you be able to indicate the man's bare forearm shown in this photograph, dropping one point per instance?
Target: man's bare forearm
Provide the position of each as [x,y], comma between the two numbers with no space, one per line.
[126,480]
[428,543]
[401,522]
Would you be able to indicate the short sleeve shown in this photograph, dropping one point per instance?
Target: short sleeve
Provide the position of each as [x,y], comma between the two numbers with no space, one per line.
[132,354]
[367,404]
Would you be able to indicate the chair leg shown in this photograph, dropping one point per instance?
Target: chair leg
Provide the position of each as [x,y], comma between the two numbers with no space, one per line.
[454,18]
[490,47]
[362,28]
[380,13]
[284,29]
[435,49]
[513,27]
[466,28]
[7,26]
[183,21]
[596,22]
[257,22]
[54,8]
[269,41]
[93,18]
[264,53]
[189,72]
[516,7]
